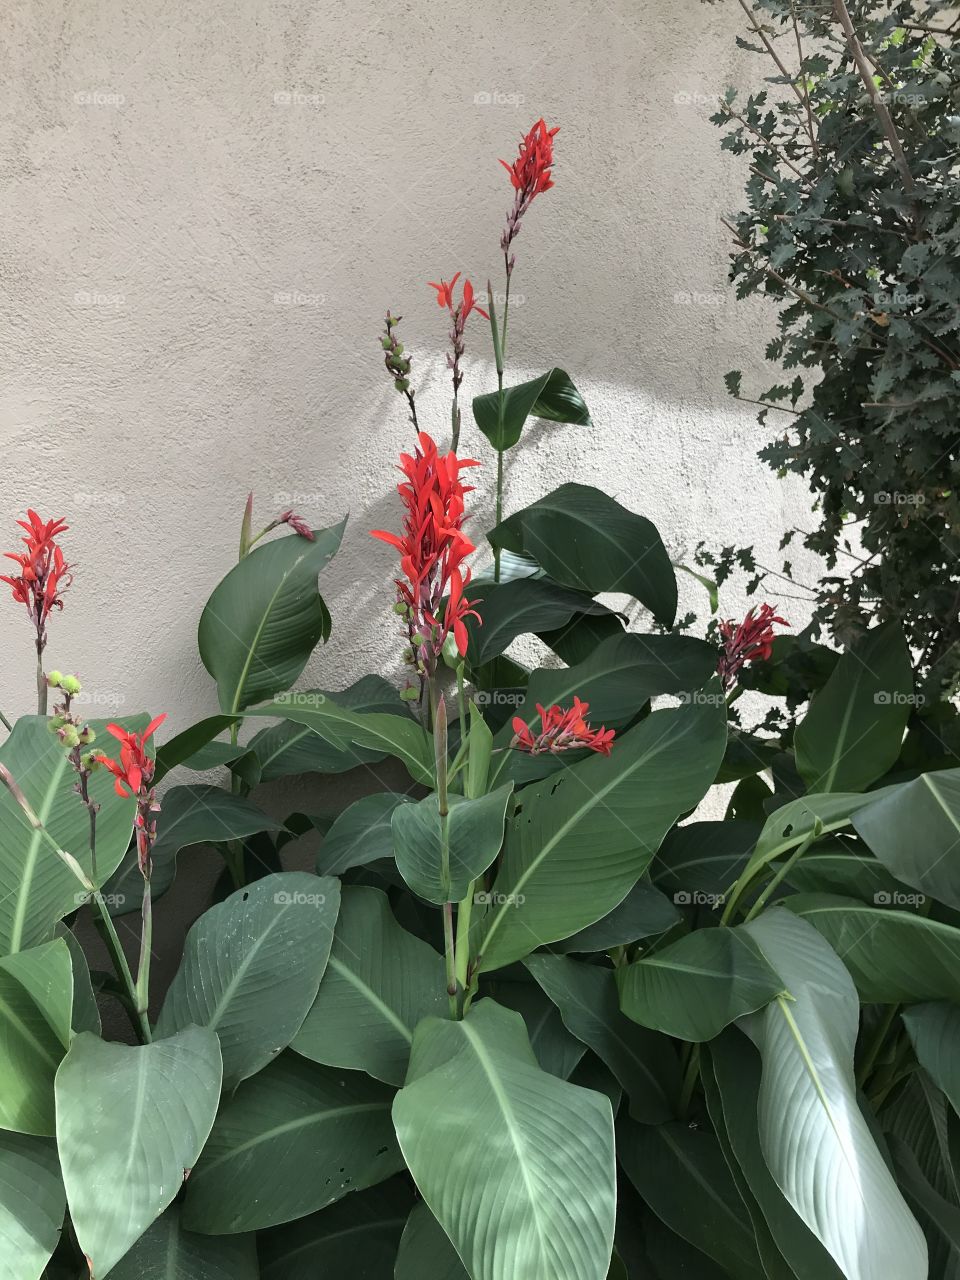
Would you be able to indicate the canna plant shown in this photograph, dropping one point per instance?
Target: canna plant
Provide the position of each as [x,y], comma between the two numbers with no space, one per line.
[531,1015]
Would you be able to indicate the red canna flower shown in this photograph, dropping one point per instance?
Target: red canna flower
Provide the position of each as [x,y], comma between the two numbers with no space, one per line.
[530,174]
[748,641]
[562,730]
[44,573]
[135,768]
[432,550]
[458,315]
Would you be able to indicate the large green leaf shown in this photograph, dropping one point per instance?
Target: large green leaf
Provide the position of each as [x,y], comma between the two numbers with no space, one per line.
[934,1029]
[814,1139]
[526,606]
[36,888]
[644,913]
[252,966]
[189,815]
[266,617]
[361,834]
[186,746]
[32,1203]
[914,830]
[131,1122]
[503,1152]
[942,1215]
[732,1064]
[853,732]
[579,841]
[893,956]
[356,1237]
[699,861]
[36,999]
[586,540]
[558,1051]
[695,987]
[375,730]
[379,983]
[168,1252]
[552,396]
[285,749]
[681,1173]
[644,1064]
[292,1139]
[442,871]
[427,1250]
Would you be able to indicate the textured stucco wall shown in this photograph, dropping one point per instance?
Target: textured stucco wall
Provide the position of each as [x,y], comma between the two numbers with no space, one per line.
[160,192]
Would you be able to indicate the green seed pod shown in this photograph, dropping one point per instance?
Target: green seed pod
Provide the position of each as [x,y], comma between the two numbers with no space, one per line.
[69,736]
[71,685]
[55,679]
[401,384]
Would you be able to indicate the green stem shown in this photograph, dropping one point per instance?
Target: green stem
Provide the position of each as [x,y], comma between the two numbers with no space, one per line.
[450,956]
[499,510]
[142,1024]
[784,870]
[146,944]
[41,683]
[233,851]
[6,723]
[464,911]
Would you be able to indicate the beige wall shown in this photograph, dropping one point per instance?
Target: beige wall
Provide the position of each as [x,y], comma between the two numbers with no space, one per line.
[160,193]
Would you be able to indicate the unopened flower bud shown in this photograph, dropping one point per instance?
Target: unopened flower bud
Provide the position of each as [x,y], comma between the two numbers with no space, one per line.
[401,608]
[69,736]
[386,343]
[55,679]
[89,761]
[410,694]
[87,735]
[55,723]
[71,685]
[402,384]
[417,639]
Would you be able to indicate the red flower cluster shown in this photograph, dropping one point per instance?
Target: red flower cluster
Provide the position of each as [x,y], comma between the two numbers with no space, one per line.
[465,306]
[562,730]
[748,641]
[135,769]
[529,174]
[44,573]
[432,550]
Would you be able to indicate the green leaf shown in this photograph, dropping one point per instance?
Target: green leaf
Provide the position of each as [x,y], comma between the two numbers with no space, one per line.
[699,861]
[552,396]
[934,1029]
[379,983]
[36,999]
[695,987]
[291,1140]
[558,1051]
[893,956]
[36,889]
[189,815]
[588,541]
[338,725]
[536,1174]
[929,1204]
[579,841]
[167,1252]
[644,913]
[814,1139]
[361,834]
[357,1237]
[586,996]
[526,606]
[153,1106]
[427,1250]
[285,749]
[914,830]
[853,875]
[32,1204]
[853,731]
[732,1065]
[186,746]
[681,1173]
[252,966]
[266,617]
[474,833]
[85,1015]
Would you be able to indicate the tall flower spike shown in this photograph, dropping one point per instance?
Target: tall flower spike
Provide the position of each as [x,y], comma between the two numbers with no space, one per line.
[433,550]
[561,730]
[44,573]
[398,365]
[748,641]
[458,316]
[133,776]
[530,174]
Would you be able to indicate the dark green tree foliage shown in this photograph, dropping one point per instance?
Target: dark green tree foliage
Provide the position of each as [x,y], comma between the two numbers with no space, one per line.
[852,223]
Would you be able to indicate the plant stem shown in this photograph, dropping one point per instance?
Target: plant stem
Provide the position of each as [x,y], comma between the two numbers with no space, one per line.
[450,956]
[464,911]
[6,723]
[41,682]
[499,513]
[784,870]
[143,968]
[141,1023]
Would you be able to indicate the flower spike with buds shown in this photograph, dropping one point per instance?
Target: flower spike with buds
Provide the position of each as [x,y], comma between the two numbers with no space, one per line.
[432,550]
[458,317]
[748,641]
[44,574]
[398,365]
[561,730]
[530,174]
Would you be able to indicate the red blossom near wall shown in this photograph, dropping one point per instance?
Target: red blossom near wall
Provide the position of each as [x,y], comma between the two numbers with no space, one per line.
[433,551]
[135,768]
[530,175]
[44,573]
[562,729]
[748,641]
